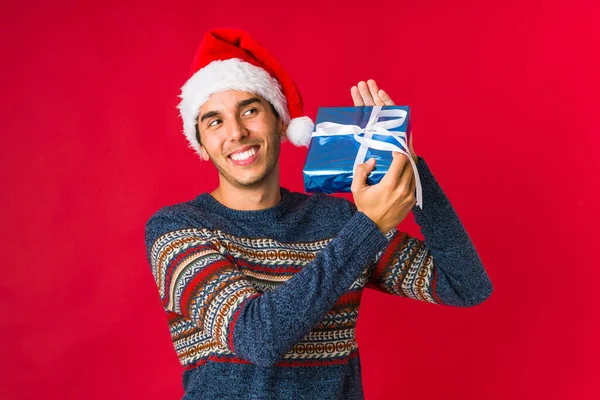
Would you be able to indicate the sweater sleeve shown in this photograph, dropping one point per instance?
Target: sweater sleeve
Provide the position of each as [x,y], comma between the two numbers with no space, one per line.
[197,281]
[444,268]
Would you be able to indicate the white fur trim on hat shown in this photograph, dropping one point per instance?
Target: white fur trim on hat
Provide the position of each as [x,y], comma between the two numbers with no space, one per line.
[300,130]
[222,75]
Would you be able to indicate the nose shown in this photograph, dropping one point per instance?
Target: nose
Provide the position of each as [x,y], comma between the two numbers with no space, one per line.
[236,130]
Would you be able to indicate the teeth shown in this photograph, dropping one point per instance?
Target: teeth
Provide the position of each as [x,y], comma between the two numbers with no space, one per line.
[245,155]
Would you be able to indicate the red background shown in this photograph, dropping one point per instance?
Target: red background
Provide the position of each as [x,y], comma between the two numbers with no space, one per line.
[505,99]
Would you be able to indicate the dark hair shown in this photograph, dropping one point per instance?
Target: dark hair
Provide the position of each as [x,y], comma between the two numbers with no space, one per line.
[198,131]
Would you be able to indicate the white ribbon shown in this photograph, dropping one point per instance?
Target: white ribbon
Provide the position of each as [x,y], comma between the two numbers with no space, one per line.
[375,127]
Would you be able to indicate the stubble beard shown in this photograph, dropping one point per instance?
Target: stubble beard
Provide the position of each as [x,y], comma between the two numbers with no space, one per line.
[271,158]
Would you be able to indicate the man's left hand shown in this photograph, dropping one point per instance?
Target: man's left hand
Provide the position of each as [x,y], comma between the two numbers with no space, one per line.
[368,94]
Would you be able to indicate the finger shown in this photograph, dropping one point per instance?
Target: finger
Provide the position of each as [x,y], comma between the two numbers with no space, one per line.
[413,185]
[356,97]
[359,181]
[374,92]
[407,177]
[386,98]
[365,93]
[392,176]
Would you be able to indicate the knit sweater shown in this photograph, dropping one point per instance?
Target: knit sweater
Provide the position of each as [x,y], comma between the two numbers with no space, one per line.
[263,304]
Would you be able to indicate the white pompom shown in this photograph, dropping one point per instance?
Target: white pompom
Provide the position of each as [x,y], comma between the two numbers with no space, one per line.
[300,130]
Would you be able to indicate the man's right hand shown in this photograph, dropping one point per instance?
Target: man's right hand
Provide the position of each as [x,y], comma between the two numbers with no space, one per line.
[388,202]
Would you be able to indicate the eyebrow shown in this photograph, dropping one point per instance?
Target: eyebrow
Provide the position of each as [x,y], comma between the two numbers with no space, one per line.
[208,115]
[246,102]
[241,104]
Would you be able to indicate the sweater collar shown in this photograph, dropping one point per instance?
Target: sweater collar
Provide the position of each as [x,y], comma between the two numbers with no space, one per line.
[209,203]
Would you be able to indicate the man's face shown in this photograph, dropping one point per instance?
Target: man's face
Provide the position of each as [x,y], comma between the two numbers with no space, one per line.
[241,135]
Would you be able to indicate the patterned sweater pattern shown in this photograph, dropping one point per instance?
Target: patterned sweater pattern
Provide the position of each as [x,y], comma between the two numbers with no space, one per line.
[264,303]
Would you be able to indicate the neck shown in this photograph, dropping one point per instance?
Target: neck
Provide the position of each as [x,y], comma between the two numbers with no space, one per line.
[264,195]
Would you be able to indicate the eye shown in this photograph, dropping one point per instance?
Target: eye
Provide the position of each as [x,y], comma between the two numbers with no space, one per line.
[213,122]
[250,111]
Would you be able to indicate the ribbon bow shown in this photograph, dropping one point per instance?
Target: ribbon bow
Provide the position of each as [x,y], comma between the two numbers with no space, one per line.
[375,127]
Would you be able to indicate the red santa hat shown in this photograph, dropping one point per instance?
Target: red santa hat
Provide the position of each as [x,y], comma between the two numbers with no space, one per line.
[230,59]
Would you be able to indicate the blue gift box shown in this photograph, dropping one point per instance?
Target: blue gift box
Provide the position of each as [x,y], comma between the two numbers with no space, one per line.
[341,133]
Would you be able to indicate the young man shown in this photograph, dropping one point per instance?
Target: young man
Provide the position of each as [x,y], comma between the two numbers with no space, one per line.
[262,286]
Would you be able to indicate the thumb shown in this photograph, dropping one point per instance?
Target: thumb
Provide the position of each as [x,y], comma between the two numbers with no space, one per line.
[360,175]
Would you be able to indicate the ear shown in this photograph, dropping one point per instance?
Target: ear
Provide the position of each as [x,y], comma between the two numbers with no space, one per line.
[283,128]
[204,153]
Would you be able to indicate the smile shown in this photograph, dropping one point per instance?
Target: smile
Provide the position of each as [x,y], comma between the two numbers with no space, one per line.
[245,157]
